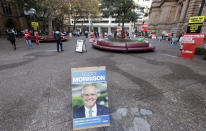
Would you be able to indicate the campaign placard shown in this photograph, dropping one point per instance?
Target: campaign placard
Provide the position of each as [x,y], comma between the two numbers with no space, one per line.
[197,39]
[188,51]
[142,27]
[80,46]
[35,25]
[89,97]
[195,24]
[189,43]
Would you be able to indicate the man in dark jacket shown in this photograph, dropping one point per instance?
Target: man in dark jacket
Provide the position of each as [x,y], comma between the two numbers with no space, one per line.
[12,38]
[57,36]
[90,108]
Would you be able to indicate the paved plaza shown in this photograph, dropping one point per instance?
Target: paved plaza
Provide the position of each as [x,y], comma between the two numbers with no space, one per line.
[150,91]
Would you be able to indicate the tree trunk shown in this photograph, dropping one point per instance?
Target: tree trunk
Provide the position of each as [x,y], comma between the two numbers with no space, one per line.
[74,28]
[50,26]
[82,27]
[122,30]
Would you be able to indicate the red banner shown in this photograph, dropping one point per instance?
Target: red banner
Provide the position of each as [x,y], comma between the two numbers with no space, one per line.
[142,27]
[188,51]
[193,39]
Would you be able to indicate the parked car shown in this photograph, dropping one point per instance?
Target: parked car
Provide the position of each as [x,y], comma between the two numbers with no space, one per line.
[76,33]
[20,33]
[65,33]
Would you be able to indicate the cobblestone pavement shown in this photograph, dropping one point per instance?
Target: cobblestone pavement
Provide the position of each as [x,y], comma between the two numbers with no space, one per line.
[151,91]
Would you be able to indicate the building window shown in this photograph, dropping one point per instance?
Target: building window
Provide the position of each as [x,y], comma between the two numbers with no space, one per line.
[6,8]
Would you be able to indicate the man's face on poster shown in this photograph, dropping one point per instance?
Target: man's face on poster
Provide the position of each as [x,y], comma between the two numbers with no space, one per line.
[89,96]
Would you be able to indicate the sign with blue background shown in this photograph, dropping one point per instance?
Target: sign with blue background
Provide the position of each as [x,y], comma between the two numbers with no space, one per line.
[81,78]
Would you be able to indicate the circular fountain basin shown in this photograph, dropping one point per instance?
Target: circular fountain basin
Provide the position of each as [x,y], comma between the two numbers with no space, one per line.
[124,46]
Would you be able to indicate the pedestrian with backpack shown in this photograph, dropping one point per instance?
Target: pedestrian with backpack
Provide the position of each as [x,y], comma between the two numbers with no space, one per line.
[12,38]
[57,36]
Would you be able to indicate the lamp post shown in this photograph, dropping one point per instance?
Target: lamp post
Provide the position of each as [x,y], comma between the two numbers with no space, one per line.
[32,12]
[201,7]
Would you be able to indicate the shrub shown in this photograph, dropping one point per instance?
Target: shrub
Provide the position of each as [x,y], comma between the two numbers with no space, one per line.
[200,51]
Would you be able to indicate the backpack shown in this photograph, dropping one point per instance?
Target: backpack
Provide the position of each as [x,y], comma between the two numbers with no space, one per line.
[57,36]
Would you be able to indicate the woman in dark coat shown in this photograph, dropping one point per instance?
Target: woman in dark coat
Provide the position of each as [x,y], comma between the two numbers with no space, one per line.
[12,38]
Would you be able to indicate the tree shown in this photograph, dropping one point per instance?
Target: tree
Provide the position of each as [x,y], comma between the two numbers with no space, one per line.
[122,10]
[48,9]
[81,9]
[53,8]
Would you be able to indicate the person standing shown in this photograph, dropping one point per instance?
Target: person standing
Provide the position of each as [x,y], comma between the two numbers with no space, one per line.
[27,37]
[57,36]
[36,35]
[12,38]
[97,34]
[115,34]
[86,33]
[180,35]
[103,34]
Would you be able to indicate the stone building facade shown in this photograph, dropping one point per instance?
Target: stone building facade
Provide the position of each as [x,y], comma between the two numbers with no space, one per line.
[172,16]
[11,16]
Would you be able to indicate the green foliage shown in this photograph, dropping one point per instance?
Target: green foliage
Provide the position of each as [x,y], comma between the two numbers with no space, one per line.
[81,9]
[102,97]
[122,10]
[200,51]
[77,102]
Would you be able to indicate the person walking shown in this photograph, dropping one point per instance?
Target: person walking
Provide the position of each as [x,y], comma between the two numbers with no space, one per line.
[103,34]
[27,37]
[12,38]
[57,36]
[97,34]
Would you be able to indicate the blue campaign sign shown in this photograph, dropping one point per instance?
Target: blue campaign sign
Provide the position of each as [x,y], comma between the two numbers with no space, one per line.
[88,76]
[91,122]
[89,84]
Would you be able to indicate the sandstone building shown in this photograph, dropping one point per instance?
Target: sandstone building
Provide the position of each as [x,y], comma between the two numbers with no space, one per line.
[11,16]
[172,16]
